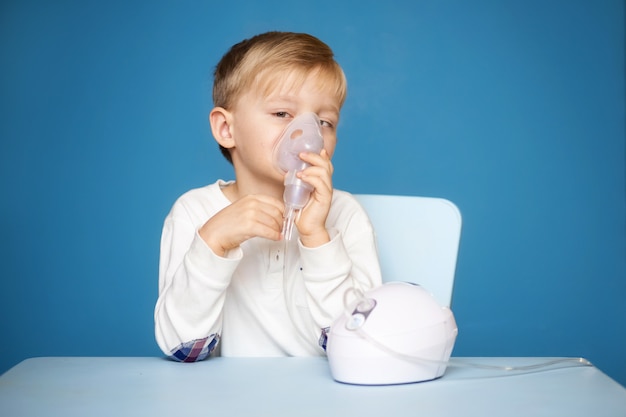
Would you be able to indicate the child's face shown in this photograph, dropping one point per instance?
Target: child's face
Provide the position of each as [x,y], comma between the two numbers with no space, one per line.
[259,120]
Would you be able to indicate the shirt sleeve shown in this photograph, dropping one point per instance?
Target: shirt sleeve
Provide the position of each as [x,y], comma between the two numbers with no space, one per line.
[192,288]
[331,271]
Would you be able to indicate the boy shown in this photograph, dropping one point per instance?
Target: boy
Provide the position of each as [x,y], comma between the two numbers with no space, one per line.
[226,274]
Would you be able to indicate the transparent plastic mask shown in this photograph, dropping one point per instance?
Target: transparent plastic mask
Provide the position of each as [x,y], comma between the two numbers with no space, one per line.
[303,134]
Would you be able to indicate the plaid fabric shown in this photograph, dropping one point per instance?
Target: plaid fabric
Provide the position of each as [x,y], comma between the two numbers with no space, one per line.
[196,350]
[324,338]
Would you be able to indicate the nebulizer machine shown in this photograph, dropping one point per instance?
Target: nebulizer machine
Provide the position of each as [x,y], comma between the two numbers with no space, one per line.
[396,333]
[303,134]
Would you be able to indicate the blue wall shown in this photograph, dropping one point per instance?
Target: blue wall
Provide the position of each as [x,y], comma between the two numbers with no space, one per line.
[513,110]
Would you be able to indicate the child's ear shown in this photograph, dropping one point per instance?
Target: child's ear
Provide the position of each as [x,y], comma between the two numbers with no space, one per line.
[220,120]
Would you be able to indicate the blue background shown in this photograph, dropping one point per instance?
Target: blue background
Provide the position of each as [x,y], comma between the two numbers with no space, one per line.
[513,110]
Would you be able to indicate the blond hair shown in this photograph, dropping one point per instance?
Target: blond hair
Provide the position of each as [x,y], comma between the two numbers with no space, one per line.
[264,60]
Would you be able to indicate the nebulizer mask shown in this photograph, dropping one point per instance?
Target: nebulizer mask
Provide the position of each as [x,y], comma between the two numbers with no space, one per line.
[303,134]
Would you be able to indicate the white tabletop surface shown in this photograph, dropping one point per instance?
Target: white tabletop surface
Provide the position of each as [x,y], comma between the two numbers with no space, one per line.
[85,386]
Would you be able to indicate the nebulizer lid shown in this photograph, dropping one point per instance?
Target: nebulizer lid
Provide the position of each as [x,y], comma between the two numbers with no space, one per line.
[394,334]
[303,134]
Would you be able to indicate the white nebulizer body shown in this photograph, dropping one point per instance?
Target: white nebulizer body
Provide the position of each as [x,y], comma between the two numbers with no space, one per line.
[303,134]
[396,333]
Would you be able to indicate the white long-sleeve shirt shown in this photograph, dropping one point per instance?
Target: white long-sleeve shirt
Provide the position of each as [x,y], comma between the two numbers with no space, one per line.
[264,298]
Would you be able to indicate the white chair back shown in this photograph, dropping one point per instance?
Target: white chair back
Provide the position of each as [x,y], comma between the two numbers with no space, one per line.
[418,240]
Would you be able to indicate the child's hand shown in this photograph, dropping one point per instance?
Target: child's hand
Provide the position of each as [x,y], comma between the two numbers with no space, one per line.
[248,217]
[312,222]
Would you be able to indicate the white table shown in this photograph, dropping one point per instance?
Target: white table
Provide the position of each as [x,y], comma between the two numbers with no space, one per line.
[295,387]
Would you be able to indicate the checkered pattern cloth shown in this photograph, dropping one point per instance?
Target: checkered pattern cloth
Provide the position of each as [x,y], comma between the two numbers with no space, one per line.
[196,350]
[323,340]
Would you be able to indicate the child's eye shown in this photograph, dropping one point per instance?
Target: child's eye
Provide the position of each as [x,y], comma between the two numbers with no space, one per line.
[281,114]
[326,123]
